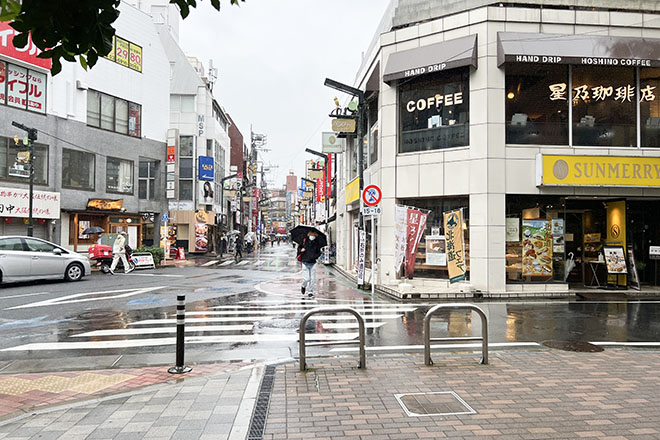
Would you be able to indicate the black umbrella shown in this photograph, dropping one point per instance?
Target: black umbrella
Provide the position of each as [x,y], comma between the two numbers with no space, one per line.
[299,233]
[93,230]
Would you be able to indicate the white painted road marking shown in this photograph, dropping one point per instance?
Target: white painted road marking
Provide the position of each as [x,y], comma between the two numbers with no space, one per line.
[26,294]
[440,346]
[226,263]
[80,297]
[210,263]
[161,330]
[242,263]
[197,320]
[289,311]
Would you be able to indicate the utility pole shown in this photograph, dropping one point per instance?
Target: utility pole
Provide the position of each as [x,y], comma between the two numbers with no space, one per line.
[31,136]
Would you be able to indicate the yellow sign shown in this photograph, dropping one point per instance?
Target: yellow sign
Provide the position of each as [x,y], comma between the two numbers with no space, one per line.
[111,54]
[453,221]
[353,190]
[105,204]
[315,174]
[135,57]
[616,233]
[121,51]
[343,125]
[597,171]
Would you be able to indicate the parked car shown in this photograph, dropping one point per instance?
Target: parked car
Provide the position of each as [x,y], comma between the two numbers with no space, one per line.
[29,258]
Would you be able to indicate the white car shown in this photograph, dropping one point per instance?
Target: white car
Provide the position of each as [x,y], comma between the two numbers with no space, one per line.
[29,258]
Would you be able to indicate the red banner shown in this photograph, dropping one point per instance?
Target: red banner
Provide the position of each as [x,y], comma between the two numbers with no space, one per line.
[328,177]
[27,54]
[320,186]
[416,224]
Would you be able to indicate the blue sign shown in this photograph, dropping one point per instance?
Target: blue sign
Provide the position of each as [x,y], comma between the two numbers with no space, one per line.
[165,218]
[205,168]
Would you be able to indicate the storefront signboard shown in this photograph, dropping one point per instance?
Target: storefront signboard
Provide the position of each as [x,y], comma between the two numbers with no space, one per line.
[435,250]
[343,125]
[558,245]
[315,174]
[654,252]
[599,171]
[205,168]
[105,204]
[615,260]
[330,142]
[453,223]
[537,248]
[353,190]
[28,54]
[143,260]
[513,229]
[201,237]
[14,202]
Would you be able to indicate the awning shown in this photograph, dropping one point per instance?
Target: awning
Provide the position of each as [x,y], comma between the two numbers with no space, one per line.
[513,47]
[432,58]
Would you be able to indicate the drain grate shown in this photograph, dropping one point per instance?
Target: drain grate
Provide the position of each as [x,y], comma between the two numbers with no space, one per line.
[444,403]
[258,422]
[583,347]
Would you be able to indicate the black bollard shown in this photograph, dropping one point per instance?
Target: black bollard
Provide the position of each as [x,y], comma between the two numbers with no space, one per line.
[179,368]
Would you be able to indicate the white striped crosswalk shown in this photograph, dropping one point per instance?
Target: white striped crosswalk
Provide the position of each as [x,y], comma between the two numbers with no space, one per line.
[274,265]
[248,322]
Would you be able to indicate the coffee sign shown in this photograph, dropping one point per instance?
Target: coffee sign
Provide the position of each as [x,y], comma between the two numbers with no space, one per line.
[343,125]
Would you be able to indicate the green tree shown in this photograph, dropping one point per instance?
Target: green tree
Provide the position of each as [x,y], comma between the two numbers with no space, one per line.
[66,29]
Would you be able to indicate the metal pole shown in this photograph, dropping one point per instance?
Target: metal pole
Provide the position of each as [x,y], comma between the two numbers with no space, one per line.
[373,255]
[360,148]
[179,368]
[30,230]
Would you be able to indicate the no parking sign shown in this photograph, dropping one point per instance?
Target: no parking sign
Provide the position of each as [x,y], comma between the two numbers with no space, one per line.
[372,195]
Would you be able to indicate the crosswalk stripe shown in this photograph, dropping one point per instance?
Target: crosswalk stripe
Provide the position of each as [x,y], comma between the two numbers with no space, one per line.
[196,320]
[128,343]
[163,330]
[226,263]
[210,263]
[259,263]
[242,263]
[287,312]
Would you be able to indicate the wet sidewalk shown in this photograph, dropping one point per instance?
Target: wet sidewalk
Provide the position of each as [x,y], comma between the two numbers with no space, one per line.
[520,395]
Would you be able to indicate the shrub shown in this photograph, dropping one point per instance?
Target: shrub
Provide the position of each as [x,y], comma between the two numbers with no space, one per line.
[157,253]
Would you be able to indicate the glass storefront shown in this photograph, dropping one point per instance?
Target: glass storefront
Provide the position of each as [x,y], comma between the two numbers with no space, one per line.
[557,239]
[430,260]
[605,101]
[435,111]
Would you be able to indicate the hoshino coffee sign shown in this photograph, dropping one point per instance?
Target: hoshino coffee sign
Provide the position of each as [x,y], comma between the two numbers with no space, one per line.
[587,61]
[436,101]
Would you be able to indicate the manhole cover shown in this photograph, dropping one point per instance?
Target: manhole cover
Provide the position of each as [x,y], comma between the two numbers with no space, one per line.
[583,347]
[445,403]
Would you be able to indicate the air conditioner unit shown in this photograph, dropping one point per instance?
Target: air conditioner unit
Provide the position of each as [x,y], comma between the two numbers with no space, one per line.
[81,85]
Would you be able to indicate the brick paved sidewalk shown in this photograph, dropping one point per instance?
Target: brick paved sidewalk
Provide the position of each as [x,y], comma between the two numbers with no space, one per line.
[519,395]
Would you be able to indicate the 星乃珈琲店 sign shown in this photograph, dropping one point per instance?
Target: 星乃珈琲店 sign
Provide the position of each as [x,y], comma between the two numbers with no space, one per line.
[610,171]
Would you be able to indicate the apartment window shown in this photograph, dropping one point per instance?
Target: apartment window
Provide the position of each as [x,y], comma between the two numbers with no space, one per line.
[119,175]
[147,180]
[78,169]
[435,111]
[186,167]
[11,168]
[113,114]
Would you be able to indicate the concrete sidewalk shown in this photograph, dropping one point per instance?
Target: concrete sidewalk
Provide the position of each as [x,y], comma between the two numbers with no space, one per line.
[519,395]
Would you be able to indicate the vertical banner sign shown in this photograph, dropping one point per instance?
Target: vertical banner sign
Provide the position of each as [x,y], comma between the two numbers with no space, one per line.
[362,251]
[400,228]
[3,81]
[168,238]
[135,57]
[328,177]
[415,228]
[201,237]
[455,249]
[134,119]
[111,54]
[121,51]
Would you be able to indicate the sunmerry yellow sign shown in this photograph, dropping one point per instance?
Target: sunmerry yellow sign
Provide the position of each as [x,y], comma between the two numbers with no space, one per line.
[353,190]
[561,170]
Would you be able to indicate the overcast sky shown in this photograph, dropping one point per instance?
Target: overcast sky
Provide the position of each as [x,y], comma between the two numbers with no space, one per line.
[273,56]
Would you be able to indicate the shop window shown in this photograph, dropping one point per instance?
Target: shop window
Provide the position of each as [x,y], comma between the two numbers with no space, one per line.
[78,169]
[435,111]
[13,169]
[649,80]
[22,88]
[113,114]
[537,104]
[119,175]
[604,106]
[147,180]
[427,264]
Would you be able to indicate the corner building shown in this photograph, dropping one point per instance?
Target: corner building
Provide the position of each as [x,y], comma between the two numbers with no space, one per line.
[540,118]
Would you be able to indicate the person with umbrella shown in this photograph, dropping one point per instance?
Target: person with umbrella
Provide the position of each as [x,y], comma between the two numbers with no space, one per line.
[310,242]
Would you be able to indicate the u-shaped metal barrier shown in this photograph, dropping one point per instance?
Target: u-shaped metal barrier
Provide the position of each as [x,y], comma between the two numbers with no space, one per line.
[427,331]
[361,342]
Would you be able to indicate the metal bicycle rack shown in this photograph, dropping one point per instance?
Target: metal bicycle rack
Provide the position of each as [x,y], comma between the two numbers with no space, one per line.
[361,342]
[427,331]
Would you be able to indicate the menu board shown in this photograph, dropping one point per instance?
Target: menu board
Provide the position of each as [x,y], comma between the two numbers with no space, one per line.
[436,250]
[558,236]
[615,260]
[537,248]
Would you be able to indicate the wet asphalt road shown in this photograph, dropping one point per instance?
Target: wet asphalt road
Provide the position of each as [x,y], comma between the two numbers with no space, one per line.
[251,310]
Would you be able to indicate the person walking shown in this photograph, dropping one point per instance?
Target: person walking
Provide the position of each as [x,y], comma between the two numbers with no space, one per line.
[308,252]
[119,251]
[238,248]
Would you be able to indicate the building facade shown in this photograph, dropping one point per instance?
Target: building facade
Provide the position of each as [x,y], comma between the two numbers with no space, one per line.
[539,119]
[97,131]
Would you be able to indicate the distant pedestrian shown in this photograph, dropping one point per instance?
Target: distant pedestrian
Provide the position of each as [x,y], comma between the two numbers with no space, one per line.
[309,251]
[119,251]
[238,254]
[223,244]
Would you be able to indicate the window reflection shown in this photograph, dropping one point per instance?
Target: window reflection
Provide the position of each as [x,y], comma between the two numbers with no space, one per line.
[650,107]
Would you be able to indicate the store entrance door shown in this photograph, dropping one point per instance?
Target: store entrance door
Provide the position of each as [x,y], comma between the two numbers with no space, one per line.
[643,232]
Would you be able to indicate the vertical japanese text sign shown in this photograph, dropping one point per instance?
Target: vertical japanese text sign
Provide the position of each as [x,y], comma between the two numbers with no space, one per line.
[455,249]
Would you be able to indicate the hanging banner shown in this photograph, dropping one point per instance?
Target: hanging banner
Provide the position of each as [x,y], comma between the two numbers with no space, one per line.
[400,228]
[168,239]
[453,221]
[416,222]
[362,252]
[537,248]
